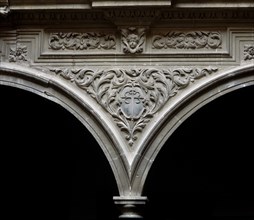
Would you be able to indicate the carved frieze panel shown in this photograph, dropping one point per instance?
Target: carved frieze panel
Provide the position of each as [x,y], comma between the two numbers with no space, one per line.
[132,96]
[128,44]
[81,41]
[188,40]
[134,40]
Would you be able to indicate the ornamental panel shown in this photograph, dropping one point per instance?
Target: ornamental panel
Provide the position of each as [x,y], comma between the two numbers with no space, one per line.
[80,42]
[132,96]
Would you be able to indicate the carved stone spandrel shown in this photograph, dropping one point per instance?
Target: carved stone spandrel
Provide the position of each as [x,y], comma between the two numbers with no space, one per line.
[132,96]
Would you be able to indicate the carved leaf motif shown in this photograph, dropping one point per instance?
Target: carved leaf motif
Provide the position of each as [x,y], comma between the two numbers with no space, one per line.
[191,40]
[81,41]
[18,53]
[132,97]
[248,52]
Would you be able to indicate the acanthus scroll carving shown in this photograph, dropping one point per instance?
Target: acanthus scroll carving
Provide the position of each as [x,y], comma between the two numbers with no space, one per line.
[18,53]
[81,41]
[249,52]
[190,40]
[132,97]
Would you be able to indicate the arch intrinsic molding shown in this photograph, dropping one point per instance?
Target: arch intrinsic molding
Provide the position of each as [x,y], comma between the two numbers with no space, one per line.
[43,85]
[184,107]
[131,75]
[170,117]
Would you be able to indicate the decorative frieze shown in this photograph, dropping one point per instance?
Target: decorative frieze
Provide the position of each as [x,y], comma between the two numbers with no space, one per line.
[131,15]
[55,17]
[188,40]
[205,15]
[18,53]
[248,52]
[133,96]
[81,41]
[133,40]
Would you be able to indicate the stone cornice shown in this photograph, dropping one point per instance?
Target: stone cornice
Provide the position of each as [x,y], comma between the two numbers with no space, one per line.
[213,4]
[124,17]
[78,4]
[128,3]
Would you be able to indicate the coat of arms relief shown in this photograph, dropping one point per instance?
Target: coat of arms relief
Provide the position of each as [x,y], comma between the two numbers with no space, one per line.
[133,96]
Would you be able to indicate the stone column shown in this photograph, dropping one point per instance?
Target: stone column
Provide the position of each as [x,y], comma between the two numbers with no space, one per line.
[131,207]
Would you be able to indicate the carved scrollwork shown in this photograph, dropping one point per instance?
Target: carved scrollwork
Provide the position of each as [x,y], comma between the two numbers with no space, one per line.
[18,53]
[249,52]
[81,41]
[133,40]
[132,97]
[190,40]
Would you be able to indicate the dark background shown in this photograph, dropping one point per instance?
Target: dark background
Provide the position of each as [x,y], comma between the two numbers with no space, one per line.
[52,168]
[205,169]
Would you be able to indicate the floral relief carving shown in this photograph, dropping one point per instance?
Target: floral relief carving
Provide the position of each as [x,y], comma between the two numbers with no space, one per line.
[189,40]
[132,97]
[133,40]
[248,52]
[18,53]
[81,41]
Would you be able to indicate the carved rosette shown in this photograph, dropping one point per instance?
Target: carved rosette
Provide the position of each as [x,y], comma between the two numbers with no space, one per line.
[81,41]
[18,53]
[133,40]
[248,52]
[132,97]
[190,40]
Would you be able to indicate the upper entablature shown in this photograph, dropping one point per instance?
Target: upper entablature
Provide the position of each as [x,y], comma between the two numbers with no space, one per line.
[213,3]
[89,4]
[126,13]
[82,4]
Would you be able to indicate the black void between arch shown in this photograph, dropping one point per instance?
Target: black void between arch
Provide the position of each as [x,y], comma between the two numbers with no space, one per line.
[205,169]
[51,166]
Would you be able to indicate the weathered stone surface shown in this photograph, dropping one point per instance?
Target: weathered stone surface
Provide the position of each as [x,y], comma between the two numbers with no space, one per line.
[132,75]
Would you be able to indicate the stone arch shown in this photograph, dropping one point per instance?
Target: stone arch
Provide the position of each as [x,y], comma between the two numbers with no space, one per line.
[46,86]
[47,165]
[221,84]
[204,168]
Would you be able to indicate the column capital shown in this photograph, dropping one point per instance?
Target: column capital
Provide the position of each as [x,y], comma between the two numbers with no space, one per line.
[131,207]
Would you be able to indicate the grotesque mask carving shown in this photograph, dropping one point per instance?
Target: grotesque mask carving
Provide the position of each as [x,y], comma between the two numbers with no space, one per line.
[133,40]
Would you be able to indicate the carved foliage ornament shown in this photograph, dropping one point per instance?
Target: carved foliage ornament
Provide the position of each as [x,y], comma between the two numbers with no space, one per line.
[132,97]
[81,41]
[249,52]
[18,53]
[190,40]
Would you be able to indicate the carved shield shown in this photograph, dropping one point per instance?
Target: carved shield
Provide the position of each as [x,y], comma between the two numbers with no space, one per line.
[132,99]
